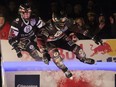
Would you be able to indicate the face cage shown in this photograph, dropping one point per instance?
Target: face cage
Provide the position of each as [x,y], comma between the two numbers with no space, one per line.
[60,21]
[23,10]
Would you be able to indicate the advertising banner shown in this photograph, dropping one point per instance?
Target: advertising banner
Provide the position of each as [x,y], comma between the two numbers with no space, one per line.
[57,79]
[101,53]
[27,81]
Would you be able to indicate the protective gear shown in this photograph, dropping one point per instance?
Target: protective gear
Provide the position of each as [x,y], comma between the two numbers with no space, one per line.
[18,51]
[25,11]
[59,18]
[26,7]
[87,60]
[58,61]
[80,54]
[46,57]
[71,38]
[14,44]
[68,74]
[97,40]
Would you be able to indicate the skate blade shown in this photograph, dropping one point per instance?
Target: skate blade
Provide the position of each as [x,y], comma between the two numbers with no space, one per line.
[71,78]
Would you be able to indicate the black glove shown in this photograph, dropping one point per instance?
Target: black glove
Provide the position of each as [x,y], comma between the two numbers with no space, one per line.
[19,55]
[97,40]
[17,49]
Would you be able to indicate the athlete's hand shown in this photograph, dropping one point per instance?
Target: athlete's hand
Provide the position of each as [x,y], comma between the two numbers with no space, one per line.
[19,55]
[97,40]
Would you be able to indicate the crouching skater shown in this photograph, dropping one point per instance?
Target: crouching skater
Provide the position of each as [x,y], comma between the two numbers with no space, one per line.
[22,35]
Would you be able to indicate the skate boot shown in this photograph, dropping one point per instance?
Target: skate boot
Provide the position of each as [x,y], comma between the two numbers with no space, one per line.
[45,60]
[68,74]
[87,60]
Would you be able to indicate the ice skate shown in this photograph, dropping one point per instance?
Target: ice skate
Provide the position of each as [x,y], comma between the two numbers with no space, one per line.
[45,60]
[87,60]
[68,74]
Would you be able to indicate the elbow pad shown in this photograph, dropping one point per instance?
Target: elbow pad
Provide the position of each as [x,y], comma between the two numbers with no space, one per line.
[13,42]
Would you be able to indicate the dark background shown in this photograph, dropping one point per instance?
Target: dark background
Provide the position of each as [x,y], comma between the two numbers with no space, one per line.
[105,6]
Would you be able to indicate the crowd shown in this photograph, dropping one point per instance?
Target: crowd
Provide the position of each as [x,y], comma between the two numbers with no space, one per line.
[100,17]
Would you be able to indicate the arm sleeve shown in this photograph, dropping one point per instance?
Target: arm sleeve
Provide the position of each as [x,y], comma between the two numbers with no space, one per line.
[40,23]
[84,30]
[13,33]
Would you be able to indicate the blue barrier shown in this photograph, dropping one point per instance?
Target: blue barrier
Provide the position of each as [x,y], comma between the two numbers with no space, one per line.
[72,65]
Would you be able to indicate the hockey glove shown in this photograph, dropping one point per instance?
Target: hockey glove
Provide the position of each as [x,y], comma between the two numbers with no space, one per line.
[97,40]
[17,49]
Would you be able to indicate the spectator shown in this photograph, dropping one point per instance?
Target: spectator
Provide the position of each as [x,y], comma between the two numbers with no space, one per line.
[4,29]
[92,22]
[90,5]
[12,10]
[53,7]
[81,22]
[4,24]
[113,25]
[103,27]
[69,10]
[78,10]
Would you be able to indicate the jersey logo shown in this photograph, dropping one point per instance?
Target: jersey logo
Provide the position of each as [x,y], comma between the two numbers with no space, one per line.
[27,29]
[58,33]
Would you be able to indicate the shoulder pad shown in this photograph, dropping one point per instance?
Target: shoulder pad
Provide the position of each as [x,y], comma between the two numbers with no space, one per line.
[16,20]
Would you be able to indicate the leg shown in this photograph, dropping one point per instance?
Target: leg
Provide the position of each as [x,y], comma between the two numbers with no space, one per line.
[30,48]
[58,61]
[80,54]
[43,49]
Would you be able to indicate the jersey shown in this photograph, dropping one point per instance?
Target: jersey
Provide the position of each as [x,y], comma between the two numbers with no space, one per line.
[21,29]
[54,32]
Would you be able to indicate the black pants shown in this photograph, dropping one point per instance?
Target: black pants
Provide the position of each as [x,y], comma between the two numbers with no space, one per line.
[61,43]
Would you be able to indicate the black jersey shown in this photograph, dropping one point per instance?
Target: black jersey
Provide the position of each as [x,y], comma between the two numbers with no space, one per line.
[54,32]
[25,29]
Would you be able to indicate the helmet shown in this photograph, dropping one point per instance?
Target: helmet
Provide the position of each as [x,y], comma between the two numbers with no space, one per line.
[59,18]
[25,10]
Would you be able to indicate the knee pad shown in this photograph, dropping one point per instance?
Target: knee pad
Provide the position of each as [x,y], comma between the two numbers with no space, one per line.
[34,54]
[54,53]
[81,54]
[78,51]
[61,65]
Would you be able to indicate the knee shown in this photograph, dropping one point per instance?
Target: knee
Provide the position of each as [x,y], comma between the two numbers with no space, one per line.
[54,53]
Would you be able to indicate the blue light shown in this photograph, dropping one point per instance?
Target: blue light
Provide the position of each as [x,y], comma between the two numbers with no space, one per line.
[72,65]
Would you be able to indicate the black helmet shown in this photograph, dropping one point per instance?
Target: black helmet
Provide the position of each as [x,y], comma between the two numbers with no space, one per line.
[59,18]
[25,7]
